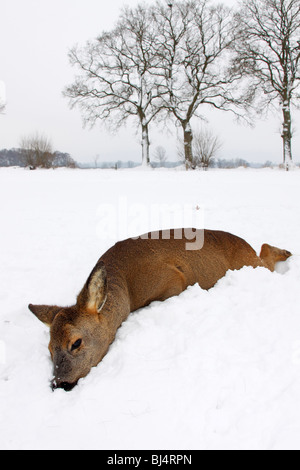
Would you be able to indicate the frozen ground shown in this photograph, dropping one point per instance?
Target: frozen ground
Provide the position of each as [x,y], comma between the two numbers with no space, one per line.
[206,370]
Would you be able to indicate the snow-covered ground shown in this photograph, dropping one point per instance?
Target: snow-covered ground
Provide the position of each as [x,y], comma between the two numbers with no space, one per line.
[205,370]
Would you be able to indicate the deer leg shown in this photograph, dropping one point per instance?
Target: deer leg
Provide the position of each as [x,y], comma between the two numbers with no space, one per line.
[270,255]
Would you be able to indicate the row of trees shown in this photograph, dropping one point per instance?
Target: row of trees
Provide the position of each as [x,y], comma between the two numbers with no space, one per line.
[163,62]
[36,151]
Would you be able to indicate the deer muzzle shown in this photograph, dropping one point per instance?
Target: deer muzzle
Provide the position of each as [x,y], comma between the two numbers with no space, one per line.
[63,372]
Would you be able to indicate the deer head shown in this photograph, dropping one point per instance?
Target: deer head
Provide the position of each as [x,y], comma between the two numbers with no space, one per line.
[79,335]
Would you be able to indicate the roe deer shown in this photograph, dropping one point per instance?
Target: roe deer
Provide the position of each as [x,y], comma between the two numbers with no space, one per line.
[131,275]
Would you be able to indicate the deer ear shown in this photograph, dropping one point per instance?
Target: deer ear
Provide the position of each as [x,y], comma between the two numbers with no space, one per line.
[45,313]
[94,294]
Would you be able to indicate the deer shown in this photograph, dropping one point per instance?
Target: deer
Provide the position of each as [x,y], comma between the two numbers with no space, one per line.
[131,275]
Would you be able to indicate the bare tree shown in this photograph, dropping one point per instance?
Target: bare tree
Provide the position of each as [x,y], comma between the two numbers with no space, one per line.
[194,42]
[96,160]
[160,155]
[36,151]
[269,54]
[205,148]
[117,75]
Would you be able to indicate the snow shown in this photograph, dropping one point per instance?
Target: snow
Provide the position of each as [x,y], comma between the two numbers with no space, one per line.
[205,370]
[2,92]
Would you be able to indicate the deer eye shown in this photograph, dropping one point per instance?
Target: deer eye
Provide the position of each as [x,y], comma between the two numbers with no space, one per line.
[76,345]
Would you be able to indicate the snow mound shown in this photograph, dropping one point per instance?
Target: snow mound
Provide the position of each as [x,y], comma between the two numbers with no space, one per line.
[214,369]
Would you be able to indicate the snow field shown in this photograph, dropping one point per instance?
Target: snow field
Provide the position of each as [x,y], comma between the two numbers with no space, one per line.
[205,370]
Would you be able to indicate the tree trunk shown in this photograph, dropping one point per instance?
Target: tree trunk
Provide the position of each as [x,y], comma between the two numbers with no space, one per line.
[145,145]
[287,136]
[187,141]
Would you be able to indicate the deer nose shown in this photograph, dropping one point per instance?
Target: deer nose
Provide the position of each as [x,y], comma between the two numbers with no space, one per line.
[62,371]
[66,386]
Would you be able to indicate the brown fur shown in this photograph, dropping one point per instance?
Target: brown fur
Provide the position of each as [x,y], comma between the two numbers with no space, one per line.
[129,276]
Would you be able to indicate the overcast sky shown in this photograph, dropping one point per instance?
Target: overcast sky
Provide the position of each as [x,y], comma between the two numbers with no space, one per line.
[35,37]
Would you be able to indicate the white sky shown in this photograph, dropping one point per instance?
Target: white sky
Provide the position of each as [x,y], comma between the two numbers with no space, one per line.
[35,37]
